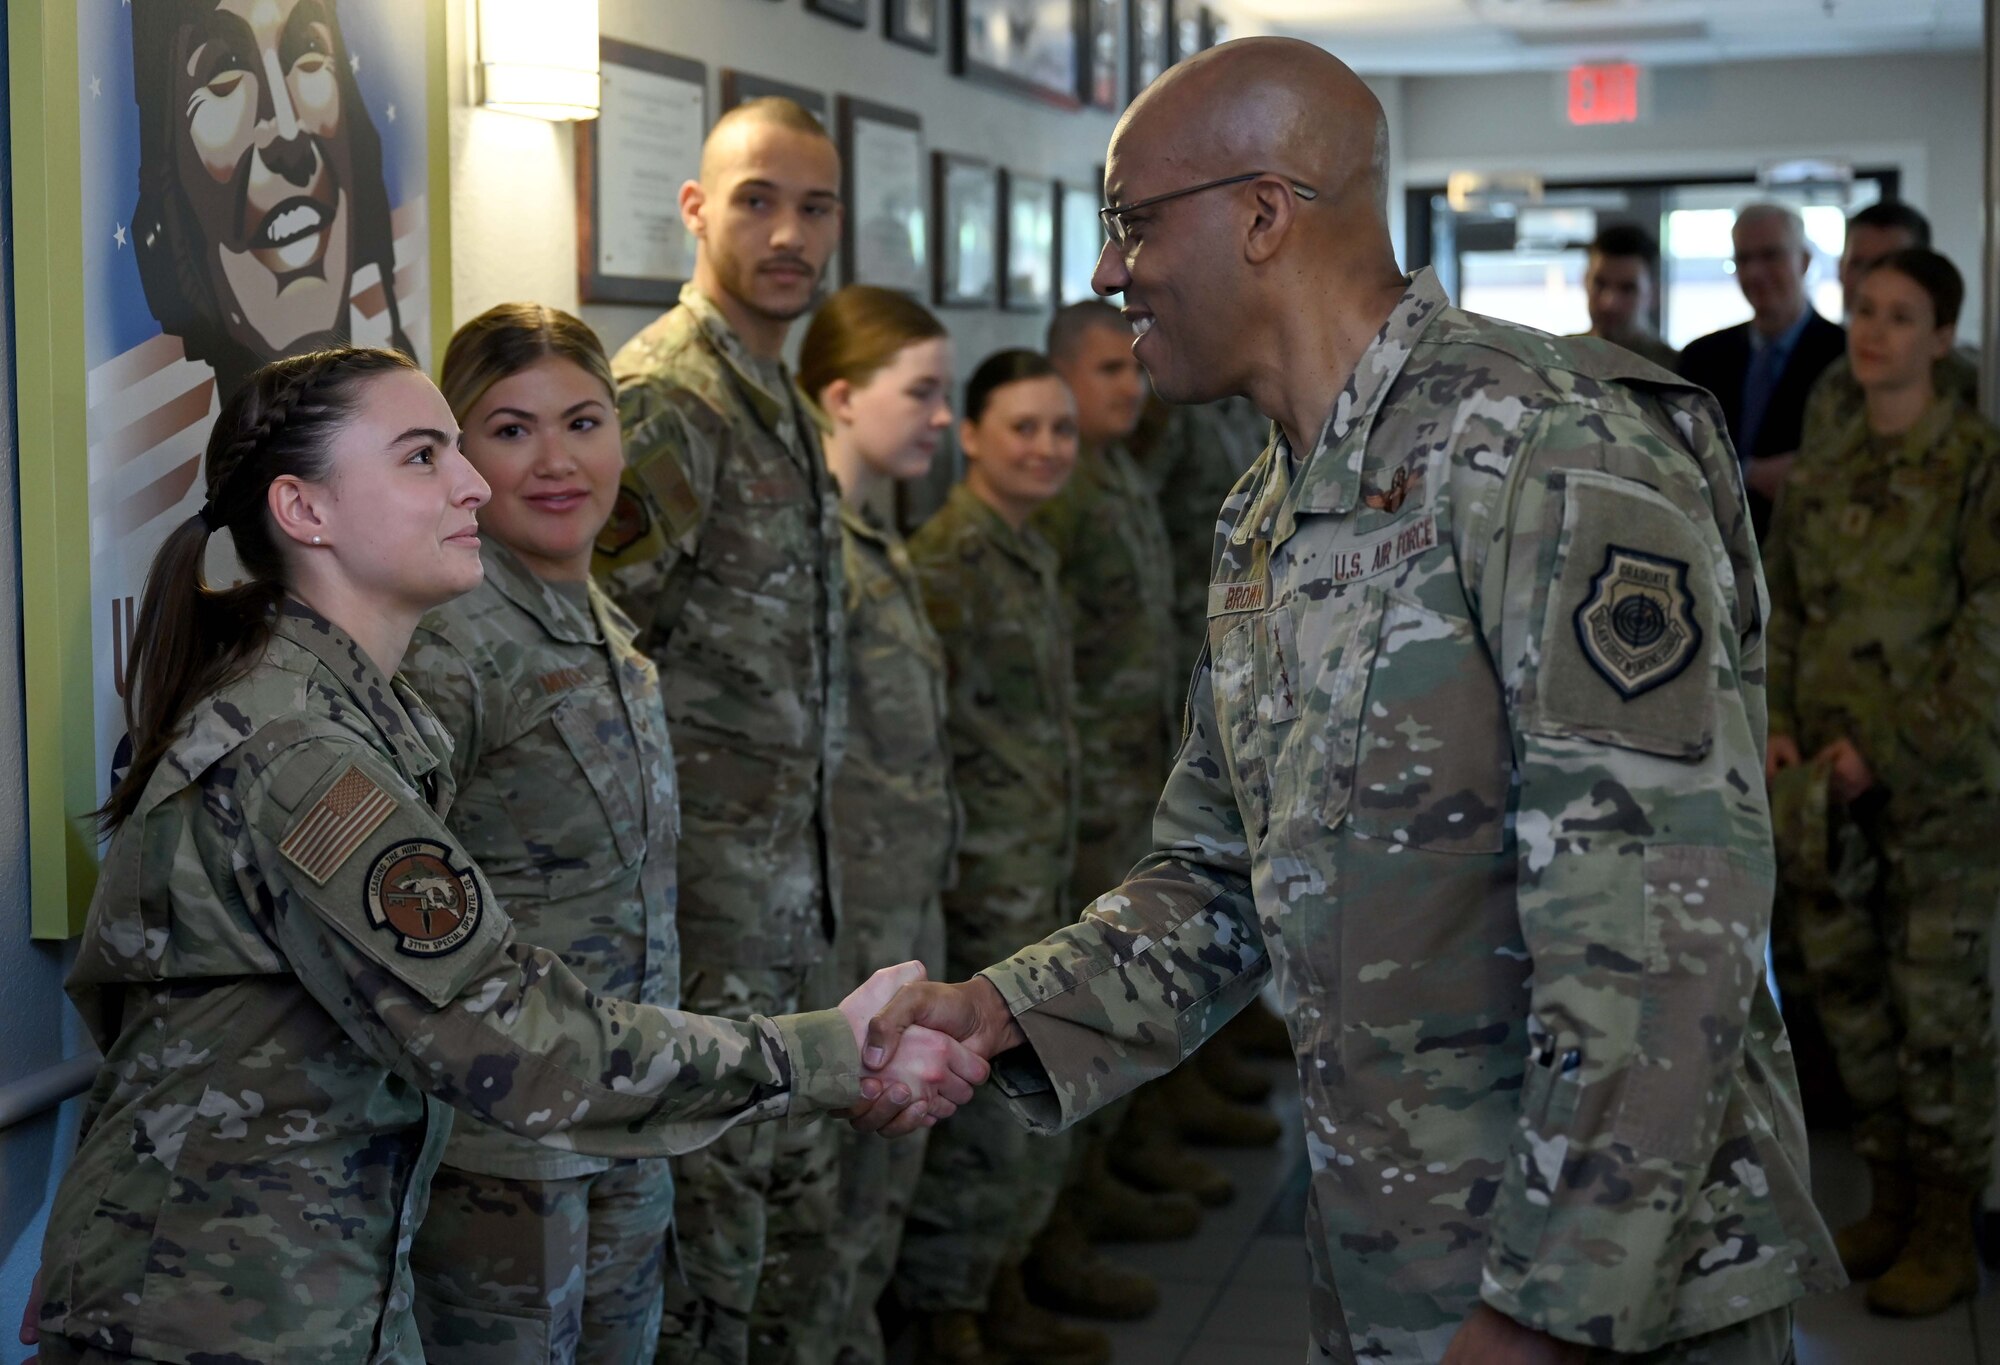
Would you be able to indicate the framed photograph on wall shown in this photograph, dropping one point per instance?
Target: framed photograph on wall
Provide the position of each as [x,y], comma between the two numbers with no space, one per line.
[174,251]
[1079,240]
[631,161]
[886,237]
[740,87]
[967,259]
[1148,47]
[853,12]
[1033,47]
[1027,242]
[913,23]
[1104,30]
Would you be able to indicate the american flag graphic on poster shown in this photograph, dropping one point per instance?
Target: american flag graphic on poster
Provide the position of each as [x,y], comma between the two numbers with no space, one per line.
[255,177]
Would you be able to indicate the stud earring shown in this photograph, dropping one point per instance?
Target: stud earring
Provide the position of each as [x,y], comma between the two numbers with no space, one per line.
[316,540]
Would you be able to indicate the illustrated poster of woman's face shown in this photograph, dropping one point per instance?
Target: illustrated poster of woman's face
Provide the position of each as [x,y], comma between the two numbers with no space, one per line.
[267,168]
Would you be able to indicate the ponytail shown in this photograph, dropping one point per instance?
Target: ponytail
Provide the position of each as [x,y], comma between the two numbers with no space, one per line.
[191,640]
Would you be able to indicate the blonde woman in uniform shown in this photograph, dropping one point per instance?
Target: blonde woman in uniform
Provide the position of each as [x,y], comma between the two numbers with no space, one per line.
[879,366]
[293,966]
[566,798]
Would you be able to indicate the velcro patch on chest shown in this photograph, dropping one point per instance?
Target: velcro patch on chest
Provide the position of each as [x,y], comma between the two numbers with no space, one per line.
[1637,627]
[327,835]
[416,894]
[561,680]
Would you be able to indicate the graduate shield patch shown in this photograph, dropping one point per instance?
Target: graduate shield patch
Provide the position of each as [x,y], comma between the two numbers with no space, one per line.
[1637,627]
[416,894]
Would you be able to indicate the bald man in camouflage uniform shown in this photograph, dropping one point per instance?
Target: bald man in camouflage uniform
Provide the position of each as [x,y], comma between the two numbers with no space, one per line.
[1474,770]
[724,548]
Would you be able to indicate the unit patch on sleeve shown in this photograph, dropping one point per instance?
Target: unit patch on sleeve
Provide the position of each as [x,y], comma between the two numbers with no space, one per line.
[416,894]
[1637,626]
[328,834]
[628,524]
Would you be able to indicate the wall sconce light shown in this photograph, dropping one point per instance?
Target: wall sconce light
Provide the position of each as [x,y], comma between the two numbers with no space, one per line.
[539,58]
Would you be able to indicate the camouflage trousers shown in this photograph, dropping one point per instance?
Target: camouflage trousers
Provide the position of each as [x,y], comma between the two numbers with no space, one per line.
[877,1178]
[522,1272]
[987,1188]
[1903,987]
[1763,1340]
[754,1211]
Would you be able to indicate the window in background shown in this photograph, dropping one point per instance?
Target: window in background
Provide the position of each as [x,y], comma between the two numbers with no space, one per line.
[1542,289]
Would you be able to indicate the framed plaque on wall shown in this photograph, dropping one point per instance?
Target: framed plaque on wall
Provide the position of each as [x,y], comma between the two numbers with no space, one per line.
[740,87]
[630,164]
[1028,242]
[885,239]
[967,260]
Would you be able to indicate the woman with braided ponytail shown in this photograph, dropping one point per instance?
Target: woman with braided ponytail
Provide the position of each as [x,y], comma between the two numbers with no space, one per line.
[293,966]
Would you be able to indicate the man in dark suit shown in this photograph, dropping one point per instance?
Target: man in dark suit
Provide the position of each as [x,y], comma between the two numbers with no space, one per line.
[1762,370]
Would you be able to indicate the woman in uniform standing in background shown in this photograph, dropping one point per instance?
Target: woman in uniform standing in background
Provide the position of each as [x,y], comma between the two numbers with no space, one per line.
[879,366]
[566,799]
[291,965]
[1884,569]
[991,589]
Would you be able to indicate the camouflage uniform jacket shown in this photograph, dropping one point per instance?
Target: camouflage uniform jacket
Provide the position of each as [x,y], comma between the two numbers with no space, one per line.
[1191,457]
[725,550]
[1476,769]
[1118,586]
[290,962]
[899,816]
[1836,400]
[1884,562]
[565,799]
[992,594]
[1644,343]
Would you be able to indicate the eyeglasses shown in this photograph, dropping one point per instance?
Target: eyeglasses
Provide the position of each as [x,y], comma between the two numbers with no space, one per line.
[1114,218]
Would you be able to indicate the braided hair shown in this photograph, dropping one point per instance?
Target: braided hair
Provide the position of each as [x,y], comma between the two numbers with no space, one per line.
[190,639]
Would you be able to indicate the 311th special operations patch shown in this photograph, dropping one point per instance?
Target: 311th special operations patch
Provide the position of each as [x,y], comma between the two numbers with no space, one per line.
[1637,626]
[416,894]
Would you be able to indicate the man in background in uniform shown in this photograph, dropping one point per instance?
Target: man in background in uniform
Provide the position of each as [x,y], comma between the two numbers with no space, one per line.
[1874,234]
[724,548]
[1762,370]
[1620,285]
[1474,770]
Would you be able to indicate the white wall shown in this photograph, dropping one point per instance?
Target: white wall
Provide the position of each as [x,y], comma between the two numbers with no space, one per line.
[1919,113]
[513,217]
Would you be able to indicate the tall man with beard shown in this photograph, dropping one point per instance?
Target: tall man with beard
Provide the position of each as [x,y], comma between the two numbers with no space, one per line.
[725,550]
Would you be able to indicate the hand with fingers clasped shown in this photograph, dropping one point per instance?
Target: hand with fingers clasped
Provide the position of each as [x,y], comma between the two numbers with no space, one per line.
[971,1013]
[925,1079]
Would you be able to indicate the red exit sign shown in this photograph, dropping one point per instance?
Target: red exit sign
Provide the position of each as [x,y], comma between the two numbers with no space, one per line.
[1605,92]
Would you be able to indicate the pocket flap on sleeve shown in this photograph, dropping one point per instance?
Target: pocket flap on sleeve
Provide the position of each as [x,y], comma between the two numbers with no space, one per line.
[1628,643]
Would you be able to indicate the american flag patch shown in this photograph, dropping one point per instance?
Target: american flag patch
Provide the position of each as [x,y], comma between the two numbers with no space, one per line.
[337,823]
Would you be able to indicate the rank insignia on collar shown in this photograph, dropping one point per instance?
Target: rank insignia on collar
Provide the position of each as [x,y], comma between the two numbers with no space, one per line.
[1401,485]
[1637,627]
[416,894]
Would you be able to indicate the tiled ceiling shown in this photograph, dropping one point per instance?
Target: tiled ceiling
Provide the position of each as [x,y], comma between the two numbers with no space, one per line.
[1413,36]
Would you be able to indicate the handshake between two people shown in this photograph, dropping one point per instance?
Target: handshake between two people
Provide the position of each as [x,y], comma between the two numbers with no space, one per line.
[925,1046]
